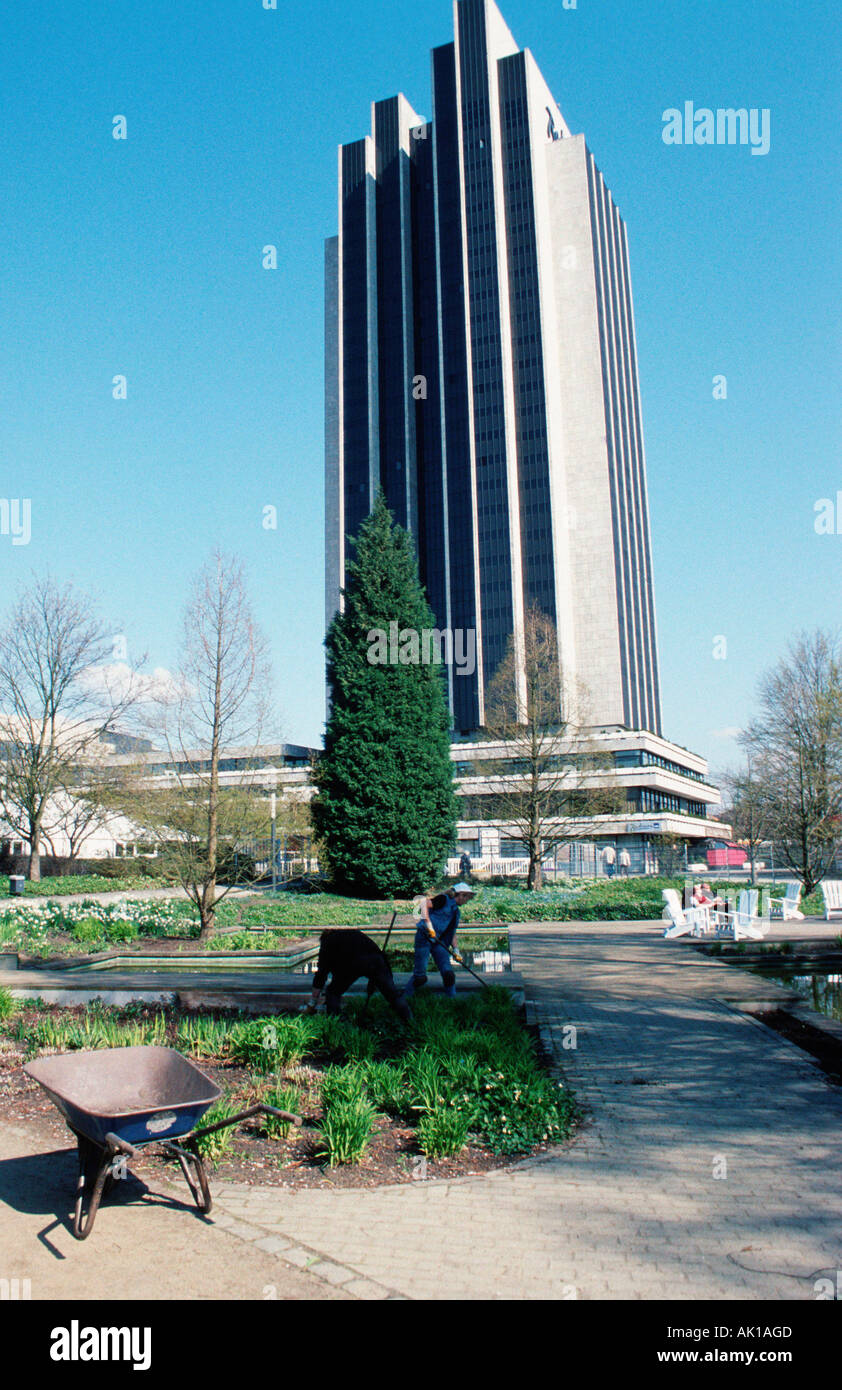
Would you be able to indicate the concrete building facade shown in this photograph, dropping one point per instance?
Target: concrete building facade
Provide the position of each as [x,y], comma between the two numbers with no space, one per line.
[481,368]
[661,790]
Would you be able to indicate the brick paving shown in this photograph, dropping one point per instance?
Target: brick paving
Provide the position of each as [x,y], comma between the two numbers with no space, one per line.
[708,1165]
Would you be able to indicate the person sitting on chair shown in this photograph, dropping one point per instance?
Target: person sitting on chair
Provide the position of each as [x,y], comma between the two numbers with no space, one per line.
[704,896]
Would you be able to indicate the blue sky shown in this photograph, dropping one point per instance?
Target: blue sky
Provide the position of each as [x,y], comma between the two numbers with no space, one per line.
[143,257]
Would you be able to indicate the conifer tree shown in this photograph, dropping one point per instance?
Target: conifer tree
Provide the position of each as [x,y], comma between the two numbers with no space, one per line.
[385,809]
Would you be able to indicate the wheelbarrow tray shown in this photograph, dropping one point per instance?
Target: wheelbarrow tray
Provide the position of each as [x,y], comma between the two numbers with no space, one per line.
[140,1094]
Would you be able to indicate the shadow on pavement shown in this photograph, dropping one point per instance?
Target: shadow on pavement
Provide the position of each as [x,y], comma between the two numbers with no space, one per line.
[44,1184]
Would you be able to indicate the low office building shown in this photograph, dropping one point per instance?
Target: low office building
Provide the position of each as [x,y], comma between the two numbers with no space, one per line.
[661,792]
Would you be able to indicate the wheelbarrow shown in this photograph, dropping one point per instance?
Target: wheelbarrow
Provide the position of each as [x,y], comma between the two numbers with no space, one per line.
[121,1100]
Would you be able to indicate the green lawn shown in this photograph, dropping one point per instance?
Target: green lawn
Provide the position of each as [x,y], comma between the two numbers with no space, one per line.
[70,885]
[77,925]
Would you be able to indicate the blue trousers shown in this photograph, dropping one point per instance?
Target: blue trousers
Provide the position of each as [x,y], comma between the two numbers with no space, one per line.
[441,956]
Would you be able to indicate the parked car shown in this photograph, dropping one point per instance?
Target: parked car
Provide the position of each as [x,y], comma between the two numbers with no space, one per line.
[724,854]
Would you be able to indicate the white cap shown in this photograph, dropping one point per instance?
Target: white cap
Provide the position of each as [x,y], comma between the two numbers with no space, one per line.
[462,888]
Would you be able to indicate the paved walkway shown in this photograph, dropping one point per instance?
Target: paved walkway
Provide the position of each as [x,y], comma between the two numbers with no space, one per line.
[145,1243]
[709,1166]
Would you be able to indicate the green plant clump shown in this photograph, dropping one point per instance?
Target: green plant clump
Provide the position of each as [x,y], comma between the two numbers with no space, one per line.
[513,1114]
[443,1133]
[282,1098]
[387,1089]
[214,1147]
[203,1037]
[343,1084]
[120,931]
[88,931]
[268,1044]
[346,1131]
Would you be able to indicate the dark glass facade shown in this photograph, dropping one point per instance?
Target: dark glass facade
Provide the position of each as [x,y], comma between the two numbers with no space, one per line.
[538,559]
[484,313]
[456,431]
[359,351]
[440,284]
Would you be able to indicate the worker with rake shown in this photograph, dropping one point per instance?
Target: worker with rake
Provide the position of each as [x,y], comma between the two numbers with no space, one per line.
[436,937]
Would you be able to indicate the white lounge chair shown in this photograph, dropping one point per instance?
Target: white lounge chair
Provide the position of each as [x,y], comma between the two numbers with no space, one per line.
[689,921]
[832,894]
[788,907]
[745,922]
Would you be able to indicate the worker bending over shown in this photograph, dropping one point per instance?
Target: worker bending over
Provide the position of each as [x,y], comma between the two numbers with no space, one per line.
[346,955]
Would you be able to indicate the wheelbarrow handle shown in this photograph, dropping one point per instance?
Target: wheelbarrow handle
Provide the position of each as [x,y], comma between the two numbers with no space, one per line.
[120,1145]
[282,1114]
[246,1115]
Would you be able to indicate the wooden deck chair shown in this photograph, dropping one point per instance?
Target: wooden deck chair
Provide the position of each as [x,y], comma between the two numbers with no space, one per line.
[788,908]
[690,921]
[832,894]
[745,923]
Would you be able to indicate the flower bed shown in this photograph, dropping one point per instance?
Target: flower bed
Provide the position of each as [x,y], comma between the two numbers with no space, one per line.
[92,925]
[464,1086]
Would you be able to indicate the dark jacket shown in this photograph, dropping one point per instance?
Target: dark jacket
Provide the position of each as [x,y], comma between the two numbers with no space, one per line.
[345,956]
[348,954]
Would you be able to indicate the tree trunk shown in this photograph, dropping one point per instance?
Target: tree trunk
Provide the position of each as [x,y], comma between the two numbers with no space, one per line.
[35,856]
[208,921]
[207,910]
[535,876]
[809,882]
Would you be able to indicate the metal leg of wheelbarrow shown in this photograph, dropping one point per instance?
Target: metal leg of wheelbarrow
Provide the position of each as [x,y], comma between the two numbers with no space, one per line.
[191,1158]
[190,1155]
[95,1167]
[98,1164]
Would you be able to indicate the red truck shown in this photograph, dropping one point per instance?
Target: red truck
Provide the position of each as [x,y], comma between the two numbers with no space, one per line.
[724,854]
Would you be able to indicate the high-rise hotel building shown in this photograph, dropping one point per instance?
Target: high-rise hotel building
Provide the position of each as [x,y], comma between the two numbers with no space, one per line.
[481,368]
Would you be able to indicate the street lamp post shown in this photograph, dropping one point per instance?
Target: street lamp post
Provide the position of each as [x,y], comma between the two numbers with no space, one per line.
[274,852]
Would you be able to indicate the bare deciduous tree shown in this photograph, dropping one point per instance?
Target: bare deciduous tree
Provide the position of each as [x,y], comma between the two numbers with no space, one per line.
[546,789]
[59,700]
[797,740]
[79,816]
[747,803]
[219,701]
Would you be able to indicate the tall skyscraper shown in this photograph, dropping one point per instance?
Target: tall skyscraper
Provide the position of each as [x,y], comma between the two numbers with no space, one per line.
[481,368]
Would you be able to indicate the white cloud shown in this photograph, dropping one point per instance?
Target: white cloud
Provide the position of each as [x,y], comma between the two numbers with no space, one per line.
[725,733]
[119,680]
